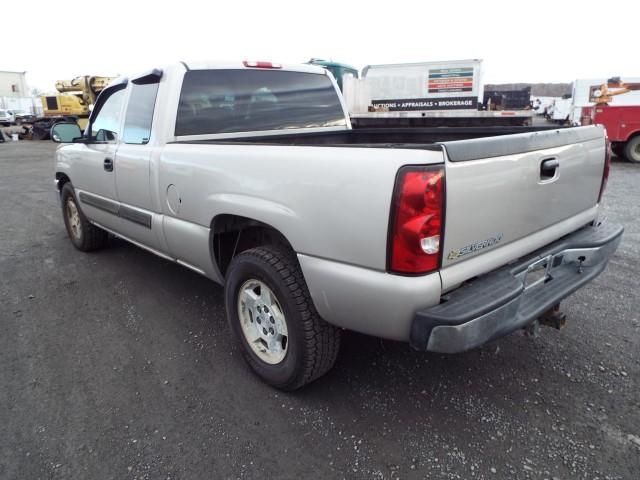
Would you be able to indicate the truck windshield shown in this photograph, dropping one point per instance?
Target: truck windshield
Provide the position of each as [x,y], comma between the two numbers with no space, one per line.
[225,101]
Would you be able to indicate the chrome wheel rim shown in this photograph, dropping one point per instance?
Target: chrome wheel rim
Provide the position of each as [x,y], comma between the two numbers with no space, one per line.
[262,320]
[73,218]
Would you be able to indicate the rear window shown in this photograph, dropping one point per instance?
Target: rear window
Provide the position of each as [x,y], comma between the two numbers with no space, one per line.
[225,101]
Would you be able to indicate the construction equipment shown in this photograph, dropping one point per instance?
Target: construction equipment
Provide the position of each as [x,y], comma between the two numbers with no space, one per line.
[603,94]
[72,104]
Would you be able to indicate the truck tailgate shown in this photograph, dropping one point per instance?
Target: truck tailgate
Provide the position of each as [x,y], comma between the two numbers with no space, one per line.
[503,191]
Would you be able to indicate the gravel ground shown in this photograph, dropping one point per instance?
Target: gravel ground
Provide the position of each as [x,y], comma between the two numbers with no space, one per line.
[119,364]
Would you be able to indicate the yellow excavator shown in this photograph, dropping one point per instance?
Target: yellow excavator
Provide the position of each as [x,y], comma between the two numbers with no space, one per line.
[71,104]
[603,94]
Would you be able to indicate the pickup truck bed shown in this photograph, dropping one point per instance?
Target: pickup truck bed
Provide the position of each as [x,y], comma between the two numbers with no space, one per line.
[250,175]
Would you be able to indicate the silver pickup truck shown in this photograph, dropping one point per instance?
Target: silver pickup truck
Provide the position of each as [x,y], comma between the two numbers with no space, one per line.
[249,173]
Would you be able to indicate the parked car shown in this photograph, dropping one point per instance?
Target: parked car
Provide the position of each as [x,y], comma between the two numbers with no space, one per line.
[249,174]
[6,117]
[20,117]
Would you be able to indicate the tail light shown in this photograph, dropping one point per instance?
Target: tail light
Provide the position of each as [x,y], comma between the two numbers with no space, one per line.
[607,166]
[586,116]
[416,220]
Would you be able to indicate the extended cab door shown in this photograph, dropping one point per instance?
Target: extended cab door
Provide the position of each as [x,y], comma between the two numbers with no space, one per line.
[93,161]
[133,165]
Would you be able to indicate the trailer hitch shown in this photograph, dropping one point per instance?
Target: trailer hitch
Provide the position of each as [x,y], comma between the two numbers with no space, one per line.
[553,318]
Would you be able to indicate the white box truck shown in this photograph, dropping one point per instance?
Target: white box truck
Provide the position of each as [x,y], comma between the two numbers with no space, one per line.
[424,94]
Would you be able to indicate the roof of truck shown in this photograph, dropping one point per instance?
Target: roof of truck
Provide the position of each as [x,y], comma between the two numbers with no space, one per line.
[222,65]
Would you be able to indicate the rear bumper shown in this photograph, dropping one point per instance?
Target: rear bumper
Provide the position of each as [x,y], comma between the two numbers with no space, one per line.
[507,299]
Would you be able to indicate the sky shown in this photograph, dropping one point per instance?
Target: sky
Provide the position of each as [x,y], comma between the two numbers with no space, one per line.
[518,41]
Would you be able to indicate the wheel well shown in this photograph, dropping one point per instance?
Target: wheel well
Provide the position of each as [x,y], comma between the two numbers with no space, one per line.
[233,234]
[62,178]
[632,135]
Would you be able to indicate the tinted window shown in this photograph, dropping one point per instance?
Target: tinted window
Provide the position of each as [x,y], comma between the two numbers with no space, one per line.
[137,122]
[221,101]
[108,118]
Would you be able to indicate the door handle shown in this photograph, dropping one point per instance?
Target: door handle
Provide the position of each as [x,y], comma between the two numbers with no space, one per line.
[548,168]
[108,164]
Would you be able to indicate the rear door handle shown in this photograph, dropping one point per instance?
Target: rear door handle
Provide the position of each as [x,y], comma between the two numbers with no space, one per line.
[548,168]
[108,164]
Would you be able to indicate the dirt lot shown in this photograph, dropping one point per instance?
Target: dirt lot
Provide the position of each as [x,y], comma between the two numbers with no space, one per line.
[119,364]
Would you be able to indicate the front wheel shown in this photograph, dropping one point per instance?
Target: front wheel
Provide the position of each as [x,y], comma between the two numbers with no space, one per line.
[83,234]
[39,133]
[632,149]
[270,311]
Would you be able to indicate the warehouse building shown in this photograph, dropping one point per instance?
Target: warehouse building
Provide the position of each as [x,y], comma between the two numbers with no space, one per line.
[15,95]
[13,84]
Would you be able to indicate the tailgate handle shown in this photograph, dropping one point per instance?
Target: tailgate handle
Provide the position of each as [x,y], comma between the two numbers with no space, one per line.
[548,168]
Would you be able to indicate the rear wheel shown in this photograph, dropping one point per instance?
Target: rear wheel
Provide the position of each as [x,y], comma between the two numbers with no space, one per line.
[270,311]
[632,149]
[38,133]
[83,234]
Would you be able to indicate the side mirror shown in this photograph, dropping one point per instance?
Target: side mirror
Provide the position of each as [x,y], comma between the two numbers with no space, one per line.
[65,132]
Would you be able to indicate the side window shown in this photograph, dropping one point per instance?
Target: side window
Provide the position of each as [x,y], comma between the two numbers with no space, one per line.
[105,126]
[137,123]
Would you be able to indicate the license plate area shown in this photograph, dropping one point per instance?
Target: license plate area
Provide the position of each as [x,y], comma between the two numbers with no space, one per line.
[538,272]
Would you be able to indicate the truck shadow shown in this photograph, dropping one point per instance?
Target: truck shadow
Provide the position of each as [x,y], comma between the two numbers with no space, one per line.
[372,373]
[383,404]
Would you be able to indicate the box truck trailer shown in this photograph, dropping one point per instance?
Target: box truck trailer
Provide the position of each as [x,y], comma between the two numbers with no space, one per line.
[445,93]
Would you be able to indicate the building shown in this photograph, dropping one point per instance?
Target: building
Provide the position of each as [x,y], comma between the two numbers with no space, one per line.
[15,95]
[13,84]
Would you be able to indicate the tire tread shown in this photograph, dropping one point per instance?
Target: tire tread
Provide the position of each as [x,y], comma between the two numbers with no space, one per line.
[93,238]
[322,340]
[630,149]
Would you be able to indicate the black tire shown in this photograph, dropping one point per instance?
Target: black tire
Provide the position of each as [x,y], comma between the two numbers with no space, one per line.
[39,134]
[618,149]
[83,234]
[632,149]
[312,343]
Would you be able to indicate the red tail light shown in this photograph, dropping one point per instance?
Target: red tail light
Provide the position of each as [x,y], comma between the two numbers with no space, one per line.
[416,223]
[247,63]
[607,167]
[586,116]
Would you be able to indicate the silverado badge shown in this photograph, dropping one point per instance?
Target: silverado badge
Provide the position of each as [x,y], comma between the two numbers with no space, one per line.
[474,247]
